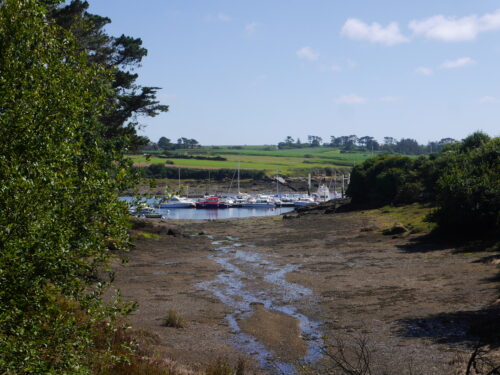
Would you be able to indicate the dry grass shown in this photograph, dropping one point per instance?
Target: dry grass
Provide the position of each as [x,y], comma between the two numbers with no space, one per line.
[146,235]
[222,366]
[174,319]
[412,216]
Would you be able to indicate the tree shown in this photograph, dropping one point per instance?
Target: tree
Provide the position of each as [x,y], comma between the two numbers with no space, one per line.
[60,212]
[314,140]
[389,141]
[408,146]
[474,141]
[121,55]
[164,143]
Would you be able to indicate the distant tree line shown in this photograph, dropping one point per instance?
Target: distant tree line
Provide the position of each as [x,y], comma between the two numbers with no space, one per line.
[353,143]
[166,144]
[462,181]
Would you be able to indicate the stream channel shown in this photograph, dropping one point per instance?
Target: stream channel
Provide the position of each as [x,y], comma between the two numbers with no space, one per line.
[250,278]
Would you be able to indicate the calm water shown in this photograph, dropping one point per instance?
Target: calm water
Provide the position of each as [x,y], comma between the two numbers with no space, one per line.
[213,214]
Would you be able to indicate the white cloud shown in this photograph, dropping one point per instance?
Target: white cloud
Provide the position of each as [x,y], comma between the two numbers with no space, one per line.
[458,63]
[489,100]
[223,17]
[390,99]
[331,68]
[374,33]
[307,53]
[351,99]
[424,71]
[219,17]
[251,28]
[453,29]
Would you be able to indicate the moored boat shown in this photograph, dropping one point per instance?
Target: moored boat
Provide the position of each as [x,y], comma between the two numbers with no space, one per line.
[259,202]
[304,201]
[178,202]
[322,195]
[147,212]
[212,202]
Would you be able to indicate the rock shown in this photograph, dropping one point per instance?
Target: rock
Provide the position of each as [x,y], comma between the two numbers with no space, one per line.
[330,210]
[368,229]
[397,228]
[291,216]
[173,232]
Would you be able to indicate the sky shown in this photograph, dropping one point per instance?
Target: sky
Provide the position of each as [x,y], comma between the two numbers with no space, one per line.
[254,72]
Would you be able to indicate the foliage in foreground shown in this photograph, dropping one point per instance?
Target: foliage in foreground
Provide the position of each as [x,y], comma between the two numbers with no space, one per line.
[463,182]
[58,198]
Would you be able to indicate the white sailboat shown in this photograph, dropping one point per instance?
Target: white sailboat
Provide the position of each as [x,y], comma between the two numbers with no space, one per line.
[178,202]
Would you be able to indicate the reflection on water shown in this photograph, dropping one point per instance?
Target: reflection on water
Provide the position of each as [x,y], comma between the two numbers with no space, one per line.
[212,214]
[223,213]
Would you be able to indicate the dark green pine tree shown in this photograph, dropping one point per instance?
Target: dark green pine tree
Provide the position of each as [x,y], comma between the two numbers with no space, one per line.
[122,55]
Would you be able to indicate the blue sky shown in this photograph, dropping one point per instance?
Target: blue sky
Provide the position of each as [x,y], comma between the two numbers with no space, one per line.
[253,72]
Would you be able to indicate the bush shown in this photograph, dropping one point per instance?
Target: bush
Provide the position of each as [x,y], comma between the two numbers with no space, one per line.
[468,190]
[378,180]
[463,182]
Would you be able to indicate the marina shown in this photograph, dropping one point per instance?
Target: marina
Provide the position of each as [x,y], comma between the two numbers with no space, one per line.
[222,207]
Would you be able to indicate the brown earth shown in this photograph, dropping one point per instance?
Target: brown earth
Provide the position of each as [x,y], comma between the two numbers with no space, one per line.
[414,300]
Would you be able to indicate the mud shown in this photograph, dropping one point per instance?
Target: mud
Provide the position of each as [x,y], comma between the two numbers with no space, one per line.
[269,289]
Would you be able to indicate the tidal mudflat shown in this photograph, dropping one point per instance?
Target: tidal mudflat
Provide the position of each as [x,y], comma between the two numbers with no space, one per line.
[272,291]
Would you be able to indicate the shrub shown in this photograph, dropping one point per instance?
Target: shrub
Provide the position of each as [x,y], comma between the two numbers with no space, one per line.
[173,319]
[468,190]
[378,180]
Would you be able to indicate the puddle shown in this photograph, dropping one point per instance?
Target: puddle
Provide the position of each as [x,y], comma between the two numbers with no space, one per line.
[248,278]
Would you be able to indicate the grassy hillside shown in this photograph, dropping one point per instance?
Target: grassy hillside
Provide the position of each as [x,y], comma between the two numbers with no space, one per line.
[267,158]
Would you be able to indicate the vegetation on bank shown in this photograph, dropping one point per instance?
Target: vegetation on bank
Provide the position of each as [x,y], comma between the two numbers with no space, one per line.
[412,216]
[67,97]
[462,183]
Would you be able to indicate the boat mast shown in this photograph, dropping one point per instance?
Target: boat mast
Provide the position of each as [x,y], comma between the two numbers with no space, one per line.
[238,176]
[277,183]
[209,181]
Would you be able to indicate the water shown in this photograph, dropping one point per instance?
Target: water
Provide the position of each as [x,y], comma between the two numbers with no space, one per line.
[212,214]
[241,286]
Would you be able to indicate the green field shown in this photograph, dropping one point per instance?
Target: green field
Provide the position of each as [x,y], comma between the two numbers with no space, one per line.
[267,158]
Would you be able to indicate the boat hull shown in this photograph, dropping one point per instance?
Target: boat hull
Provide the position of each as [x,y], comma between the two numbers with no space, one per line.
[302,204]
[211,205]
[258,205]
[177,205]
